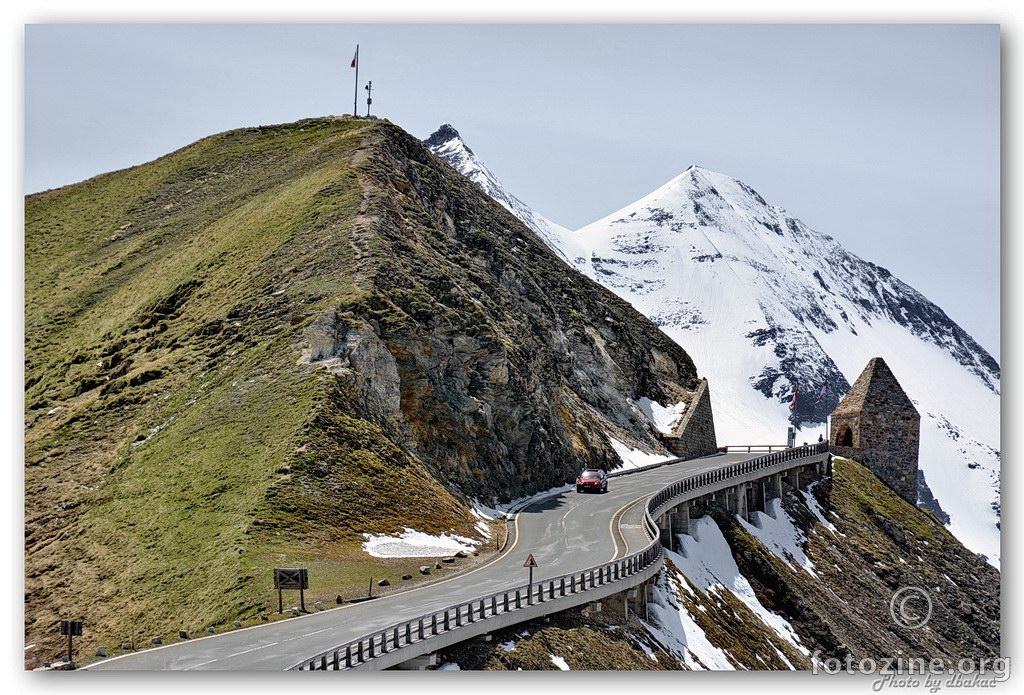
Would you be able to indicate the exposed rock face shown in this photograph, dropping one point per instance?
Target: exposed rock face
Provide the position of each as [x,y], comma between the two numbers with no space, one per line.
[508,369]
[876,423]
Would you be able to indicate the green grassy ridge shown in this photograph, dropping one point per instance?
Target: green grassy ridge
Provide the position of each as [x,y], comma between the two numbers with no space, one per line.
[164,405]
[87,277]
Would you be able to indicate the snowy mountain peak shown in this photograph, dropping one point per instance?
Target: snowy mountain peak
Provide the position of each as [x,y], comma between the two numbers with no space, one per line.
[446,143]
[780,318]
[443,134]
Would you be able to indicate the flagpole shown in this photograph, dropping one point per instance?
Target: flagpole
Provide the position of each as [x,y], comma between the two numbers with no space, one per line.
[355,96]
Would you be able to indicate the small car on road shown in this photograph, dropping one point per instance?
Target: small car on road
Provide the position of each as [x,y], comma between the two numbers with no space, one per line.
[592,480]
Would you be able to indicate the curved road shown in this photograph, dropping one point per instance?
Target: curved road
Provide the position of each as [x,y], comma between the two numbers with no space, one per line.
[564,531]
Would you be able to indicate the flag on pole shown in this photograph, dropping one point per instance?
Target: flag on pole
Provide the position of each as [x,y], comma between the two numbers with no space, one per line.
[822,394]
[355,92]
[792,403]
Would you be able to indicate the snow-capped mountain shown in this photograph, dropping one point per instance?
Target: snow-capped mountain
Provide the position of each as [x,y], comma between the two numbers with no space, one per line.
[447,144]
[768,307]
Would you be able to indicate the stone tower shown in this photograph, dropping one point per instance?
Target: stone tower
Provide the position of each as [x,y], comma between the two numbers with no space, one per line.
[877,425]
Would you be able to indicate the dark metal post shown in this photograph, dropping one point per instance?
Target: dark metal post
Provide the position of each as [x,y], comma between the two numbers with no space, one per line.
[355,96]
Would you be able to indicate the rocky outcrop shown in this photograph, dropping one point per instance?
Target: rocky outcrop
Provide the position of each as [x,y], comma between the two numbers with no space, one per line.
[481,352]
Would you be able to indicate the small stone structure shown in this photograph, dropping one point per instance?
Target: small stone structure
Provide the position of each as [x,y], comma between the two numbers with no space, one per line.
[695,434]
[877,425]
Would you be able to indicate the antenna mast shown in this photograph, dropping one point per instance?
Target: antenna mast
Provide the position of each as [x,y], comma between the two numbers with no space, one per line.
[369,90]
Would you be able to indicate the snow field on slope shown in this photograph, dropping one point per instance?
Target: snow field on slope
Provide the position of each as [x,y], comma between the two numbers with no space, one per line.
[706,560]
[412,543]
[776,531]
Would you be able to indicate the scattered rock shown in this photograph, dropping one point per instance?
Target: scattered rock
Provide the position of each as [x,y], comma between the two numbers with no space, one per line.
[383,582]
[101,651]
[406,576]
[156,640]
[424,569]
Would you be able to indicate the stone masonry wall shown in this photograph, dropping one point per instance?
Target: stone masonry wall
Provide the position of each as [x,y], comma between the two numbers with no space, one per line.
[695,434]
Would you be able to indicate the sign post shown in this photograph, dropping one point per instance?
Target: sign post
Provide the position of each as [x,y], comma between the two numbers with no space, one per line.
[291,578]
[71,628]
[531,563]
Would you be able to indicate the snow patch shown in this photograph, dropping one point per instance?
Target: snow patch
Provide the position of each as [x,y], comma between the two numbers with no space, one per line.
[777,532]
[676,629]
[634,458]
[664,418]
[411,543]
[559,662]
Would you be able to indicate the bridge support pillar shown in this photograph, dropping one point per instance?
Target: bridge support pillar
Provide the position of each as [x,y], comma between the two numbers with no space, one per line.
[739,500]
[419,663]
[793,478]
[666,530]
[758,496]
[776,485]
[681,518]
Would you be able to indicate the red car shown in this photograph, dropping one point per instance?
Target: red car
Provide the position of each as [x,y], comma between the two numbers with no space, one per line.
[592,480]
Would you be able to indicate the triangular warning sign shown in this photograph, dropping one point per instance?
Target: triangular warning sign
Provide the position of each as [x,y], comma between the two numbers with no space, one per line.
[530,562]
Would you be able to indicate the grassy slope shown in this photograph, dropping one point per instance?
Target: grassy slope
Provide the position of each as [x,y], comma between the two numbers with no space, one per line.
[881,544]
[166,415]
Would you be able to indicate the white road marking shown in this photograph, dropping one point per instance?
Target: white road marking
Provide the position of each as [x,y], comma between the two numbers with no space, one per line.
[252,650]
[199,665]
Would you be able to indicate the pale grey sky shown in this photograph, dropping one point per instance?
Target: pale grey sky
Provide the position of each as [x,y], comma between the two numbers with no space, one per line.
[886,137]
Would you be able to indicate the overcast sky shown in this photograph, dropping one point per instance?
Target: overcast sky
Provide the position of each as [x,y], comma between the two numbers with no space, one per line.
[884,136]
